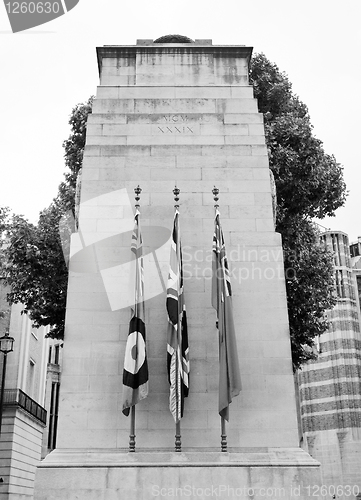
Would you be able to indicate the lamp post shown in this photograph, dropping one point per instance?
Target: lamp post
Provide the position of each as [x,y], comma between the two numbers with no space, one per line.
[6,346]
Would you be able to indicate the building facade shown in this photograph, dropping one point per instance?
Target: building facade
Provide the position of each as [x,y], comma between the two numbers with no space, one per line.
[28,389]
[330,388]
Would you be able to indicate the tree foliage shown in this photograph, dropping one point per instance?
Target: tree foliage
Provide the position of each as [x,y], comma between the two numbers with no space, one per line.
[74,145]
[310,286]
[309,184]
[33,261]
[35,269]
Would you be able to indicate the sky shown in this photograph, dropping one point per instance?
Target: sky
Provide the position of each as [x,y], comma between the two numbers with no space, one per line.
[47,70]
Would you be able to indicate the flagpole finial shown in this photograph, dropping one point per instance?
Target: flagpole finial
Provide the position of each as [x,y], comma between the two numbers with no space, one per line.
[176,192]
[137,191]
[215,192]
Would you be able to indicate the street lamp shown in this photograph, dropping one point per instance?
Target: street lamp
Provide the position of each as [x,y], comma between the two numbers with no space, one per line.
[6,346]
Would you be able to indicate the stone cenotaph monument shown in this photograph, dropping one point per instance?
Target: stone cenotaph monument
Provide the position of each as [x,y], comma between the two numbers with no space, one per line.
[176,112]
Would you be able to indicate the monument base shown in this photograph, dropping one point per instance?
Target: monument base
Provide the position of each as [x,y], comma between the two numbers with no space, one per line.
[248,473]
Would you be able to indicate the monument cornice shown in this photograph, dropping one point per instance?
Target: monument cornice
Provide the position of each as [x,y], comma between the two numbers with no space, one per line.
[224,51]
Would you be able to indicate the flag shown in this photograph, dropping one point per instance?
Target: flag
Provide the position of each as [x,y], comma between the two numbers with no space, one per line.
[229,375]
[135,373]
[177,347]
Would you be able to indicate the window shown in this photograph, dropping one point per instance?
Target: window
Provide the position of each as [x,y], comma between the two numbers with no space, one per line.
[346,251]
[56,355]
[335,248]
[340,284]
[53,415]
[358,281]
[351,285]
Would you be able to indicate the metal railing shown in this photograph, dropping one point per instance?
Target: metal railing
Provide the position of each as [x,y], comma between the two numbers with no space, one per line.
[16,397]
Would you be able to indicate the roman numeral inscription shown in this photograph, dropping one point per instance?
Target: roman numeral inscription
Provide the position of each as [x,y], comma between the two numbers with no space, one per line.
[177,125]
[175,118]
[176,129]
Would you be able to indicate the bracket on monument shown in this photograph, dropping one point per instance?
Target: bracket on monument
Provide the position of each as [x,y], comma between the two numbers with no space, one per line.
[176,192]
[137,191]
[215,192]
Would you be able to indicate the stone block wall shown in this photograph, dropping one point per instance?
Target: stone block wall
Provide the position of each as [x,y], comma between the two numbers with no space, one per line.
[175,114]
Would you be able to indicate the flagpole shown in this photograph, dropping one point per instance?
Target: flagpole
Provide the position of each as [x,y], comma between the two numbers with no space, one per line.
[215,192]
[223,435]
[137,192]
[132,430]
[178,435]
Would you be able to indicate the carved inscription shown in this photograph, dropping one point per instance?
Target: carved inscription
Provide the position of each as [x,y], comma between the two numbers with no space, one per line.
[175,124]
[175,118]
[176,129]
[179,123]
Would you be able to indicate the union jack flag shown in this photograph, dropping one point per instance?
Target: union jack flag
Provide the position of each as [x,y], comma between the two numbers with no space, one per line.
[177,347]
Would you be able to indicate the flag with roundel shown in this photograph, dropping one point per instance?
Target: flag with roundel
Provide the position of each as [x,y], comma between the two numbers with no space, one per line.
[135,373]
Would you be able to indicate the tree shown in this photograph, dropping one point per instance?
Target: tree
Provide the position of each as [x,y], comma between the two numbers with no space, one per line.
[309,184]
[32,259]
[74,149]
[309,273]
[35,269]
